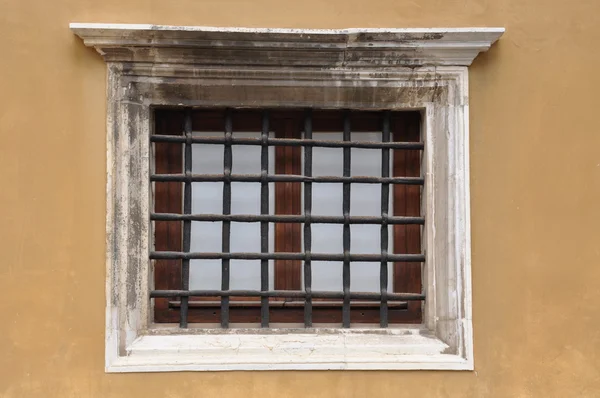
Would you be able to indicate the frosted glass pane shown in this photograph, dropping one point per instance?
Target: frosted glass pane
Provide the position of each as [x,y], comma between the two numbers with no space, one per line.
[205,274]
[207,198]
[327,238]
[326,200]
[365,162]
[327,276]
[245,199]
[245,274]
[364,276]
[328,161]
[365,199]
[246,158]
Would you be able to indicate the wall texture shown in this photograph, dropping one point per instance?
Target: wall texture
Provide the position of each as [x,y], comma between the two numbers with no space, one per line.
[535,199]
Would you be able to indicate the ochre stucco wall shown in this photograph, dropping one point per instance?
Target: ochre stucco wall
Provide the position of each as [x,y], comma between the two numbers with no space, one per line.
[535,154]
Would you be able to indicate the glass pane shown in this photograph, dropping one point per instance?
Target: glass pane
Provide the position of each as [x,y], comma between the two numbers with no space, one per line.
[328,161]
[327,276]
[364,276]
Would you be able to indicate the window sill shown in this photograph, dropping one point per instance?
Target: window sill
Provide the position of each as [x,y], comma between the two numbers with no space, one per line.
[409,348]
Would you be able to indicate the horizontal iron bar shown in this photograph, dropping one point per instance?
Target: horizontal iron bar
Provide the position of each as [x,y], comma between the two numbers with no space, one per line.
[287,218]
[284,178]
[286,293]
[287,304]
[173,255]
[289,142]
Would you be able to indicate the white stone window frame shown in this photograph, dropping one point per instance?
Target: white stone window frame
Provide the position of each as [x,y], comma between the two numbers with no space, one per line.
[403,69]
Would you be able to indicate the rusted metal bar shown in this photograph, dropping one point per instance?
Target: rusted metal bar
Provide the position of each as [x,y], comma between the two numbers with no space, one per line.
[187,224]
[226,225]
[285,178]
[398,305]
[287,218]
[307,222]
[264,225]
[346,230]
[385,205]
[292,142]
[286,293]
[172,255]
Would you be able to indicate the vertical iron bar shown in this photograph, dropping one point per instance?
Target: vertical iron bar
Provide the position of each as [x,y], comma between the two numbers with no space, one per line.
[346,235]
[264,225]
[226,230]
[187,224]
[307,225]
[385,204]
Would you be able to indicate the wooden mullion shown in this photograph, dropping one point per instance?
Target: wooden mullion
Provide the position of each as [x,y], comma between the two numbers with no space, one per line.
[407,202]
[288,201]
[168,198]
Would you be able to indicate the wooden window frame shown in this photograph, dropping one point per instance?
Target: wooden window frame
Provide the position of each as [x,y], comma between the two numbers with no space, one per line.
[406,69]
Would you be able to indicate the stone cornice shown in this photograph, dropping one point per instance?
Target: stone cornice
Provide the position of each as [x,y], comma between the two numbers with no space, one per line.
[353,48]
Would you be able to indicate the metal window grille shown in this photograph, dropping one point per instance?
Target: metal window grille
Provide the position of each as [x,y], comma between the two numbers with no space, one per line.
[265,218]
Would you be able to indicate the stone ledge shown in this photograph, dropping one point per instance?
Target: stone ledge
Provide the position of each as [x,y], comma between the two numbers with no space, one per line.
[354,48]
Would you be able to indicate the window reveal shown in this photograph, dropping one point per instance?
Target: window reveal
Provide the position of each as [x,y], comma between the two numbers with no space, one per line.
[250,186]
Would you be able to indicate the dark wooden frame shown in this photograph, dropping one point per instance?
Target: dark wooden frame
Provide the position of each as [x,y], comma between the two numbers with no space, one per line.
[287,275]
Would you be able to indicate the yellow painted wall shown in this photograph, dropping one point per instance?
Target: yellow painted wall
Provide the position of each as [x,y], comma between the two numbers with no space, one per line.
[535,199]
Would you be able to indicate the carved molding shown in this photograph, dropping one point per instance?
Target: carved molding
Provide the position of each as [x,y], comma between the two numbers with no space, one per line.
[354,48]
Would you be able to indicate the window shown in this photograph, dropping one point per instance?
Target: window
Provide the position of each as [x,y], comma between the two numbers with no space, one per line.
[159,74]
[302,179]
